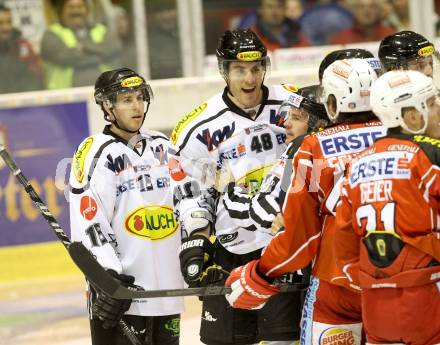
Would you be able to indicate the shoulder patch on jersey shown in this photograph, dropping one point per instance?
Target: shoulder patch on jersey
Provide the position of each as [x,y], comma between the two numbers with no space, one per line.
[291,88]
[426,139]
[186,120]
[80,157]
[430,146]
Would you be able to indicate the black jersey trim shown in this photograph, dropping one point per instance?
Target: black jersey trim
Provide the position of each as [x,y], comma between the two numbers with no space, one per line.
[159,137]
[185,141]
[92,167]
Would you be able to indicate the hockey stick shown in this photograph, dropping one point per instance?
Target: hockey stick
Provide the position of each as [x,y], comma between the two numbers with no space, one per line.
[96,273]
[39,204]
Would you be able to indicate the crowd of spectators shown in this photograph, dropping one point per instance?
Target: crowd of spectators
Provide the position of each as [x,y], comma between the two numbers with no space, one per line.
[81,42]
[299,23]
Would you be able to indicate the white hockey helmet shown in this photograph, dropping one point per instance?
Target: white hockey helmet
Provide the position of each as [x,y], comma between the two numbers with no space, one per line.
[350,82]
[400,89]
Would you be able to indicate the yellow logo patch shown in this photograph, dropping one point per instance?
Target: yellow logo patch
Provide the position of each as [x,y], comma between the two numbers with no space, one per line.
[426,51]
[154,222]
[185,121]
[79,159]
[132,82]
[249,56]
[291,88]
[253,179]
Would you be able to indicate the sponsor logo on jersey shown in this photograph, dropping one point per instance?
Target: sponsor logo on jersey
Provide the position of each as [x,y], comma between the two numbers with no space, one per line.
[185,121]
[429,140]
[383,165]
[132,82]
[176,171]
[88,207]
[249,56]
[290,88]
[276,118]
[80,157]
[337,336]
[160,154]
[349,141]
[227,237]
[236,152]
[142,183]
[154,222]
[253,179]
[426,51]
[118,164]
[217,137]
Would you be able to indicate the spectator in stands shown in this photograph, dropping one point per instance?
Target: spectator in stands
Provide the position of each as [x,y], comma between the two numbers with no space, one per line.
[367,26]
[124,30]
[164,41]
[73,50]
[321,21]
[19,65]
[275,29]
[401,11]
[294,9]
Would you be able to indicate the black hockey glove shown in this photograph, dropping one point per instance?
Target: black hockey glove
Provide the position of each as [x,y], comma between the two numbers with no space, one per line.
[195,255]
[110,310]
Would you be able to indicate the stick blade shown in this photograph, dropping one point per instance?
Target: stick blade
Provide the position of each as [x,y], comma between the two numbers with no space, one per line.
[94,272]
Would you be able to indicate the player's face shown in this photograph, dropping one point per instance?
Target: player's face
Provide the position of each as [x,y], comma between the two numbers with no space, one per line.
[244,81]
[296,123]
[433,128]
[74,14]
[423,65]
[129,110]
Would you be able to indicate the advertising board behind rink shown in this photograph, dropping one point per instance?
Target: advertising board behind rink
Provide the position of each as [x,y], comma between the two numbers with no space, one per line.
[38,138]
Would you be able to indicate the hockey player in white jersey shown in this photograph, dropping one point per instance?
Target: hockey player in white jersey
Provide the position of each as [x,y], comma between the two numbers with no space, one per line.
[121,209]
[303,114]
[238,128]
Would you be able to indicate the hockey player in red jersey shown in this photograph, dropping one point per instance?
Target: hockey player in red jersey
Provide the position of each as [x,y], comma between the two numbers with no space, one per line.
[330,311]
[388,238]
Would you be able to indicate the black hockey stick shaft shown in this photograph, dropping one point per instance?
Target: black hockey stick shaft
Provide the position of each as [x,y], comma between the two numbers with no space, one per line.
[96,273]
[41,206]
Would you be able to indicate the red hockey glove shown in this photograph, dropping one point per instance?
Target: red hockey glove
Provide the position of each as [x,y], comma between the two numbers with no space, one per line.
[249,289]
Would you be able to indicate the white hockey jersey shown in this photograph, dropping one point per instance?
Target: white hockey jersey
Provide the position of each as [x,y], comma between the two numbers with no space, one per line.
[256,211]
[121,210]
[219,137]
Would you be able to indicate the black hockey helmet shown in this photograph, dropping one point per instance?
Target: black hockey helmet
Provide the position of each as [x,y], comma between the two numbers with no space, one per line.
[307,99]
[351,53]
[111,83]
[240,45]
[396,50]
